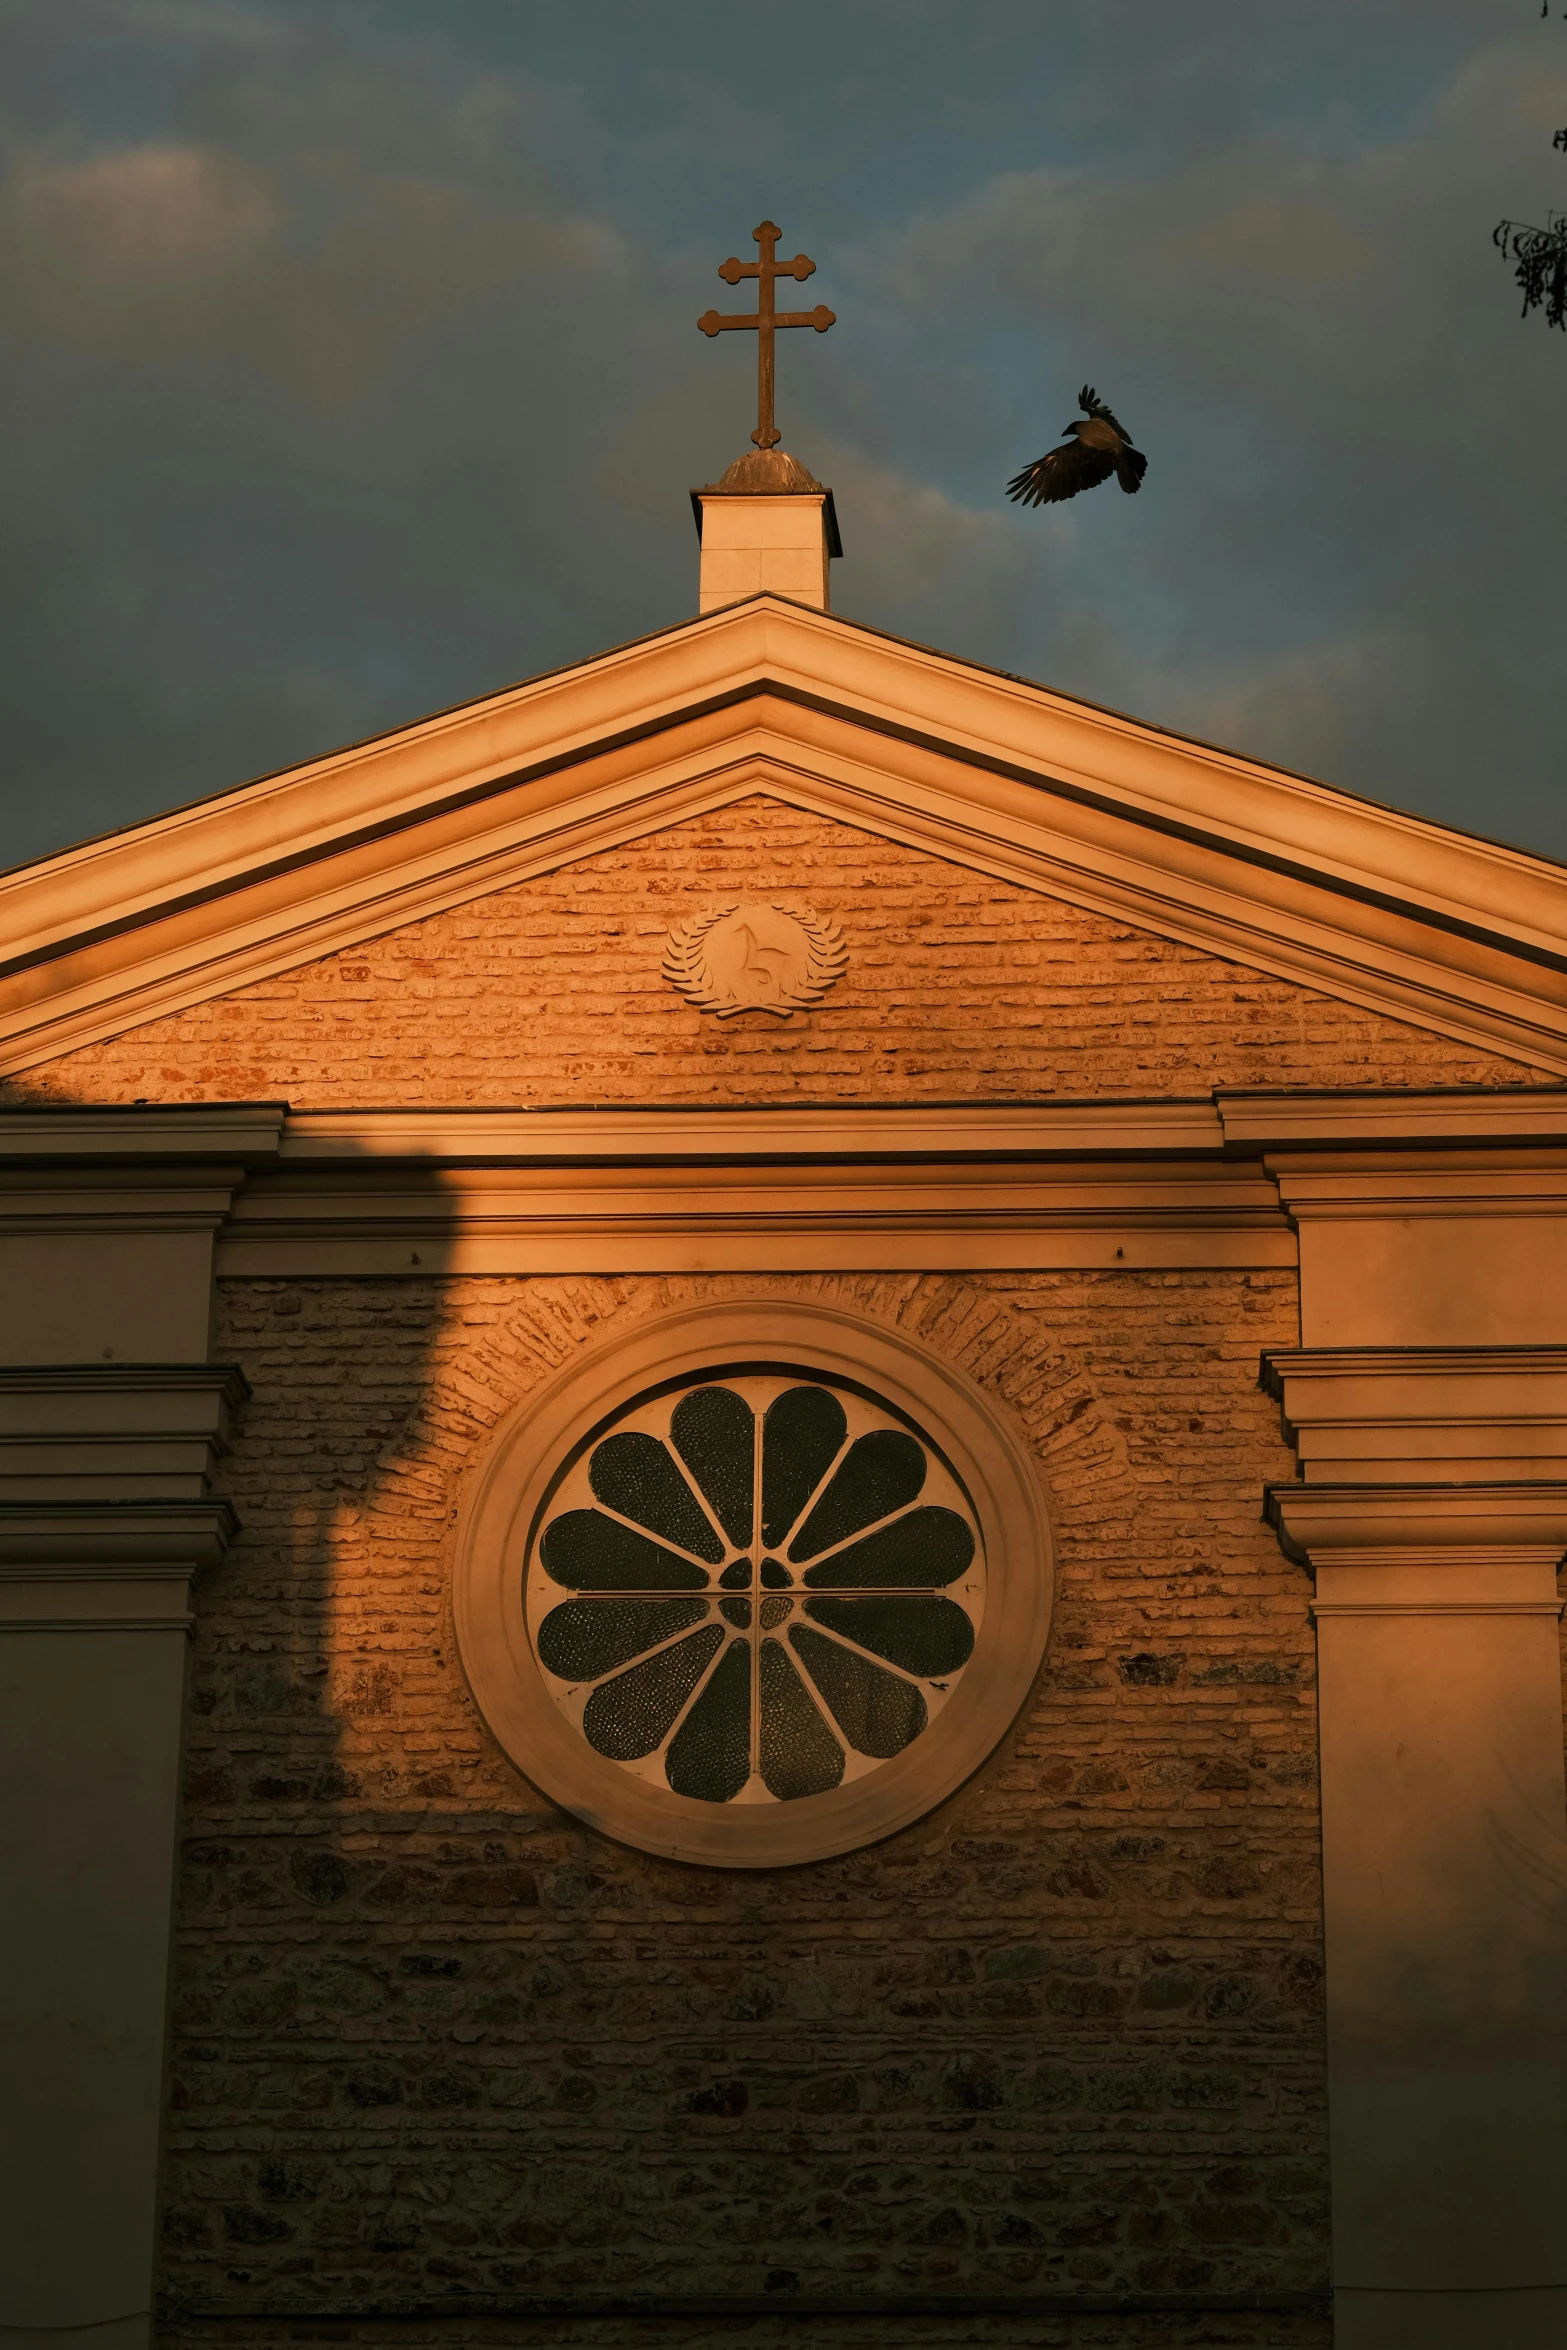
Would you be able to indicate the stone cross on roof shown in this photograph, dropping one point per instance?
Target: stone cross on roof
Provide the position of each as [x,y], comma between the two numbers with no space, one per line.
[764,318]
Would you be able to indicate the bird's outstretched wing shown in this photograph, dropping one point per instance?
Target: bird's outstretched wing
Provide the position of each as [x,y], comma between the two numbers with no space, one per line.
[1060,474]
[1091,404]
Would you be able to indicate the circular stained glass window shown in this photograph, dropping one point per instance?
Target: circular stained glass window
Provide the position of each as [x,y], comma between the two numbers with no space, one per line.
[760,1589]
[752,1583]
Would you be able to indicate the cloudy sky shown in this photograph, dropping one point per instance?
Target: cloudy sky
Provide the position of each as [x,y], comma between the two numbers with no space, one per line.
[348,364]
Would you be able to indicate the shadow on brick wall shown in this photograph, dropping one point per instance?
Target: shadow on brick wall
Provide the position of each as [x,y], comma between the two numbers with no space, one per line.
[445,2059]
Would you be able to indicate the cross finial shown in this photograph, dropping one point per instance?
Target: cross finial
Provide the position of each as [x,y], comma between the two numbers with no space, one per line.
[765,318]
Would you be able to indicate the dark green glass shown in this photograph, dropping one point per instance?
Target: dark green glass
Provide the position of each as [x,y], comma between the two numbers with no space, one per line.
[877,1713]
[635,1474]
[710,1754]
[929,1547]
[800,1755]
[736,1577]
[736,1612]
[713,1430]
[879,1473]
[628,1717]
[924,1636]
[801,1434]
[589,1552]
[775,1577]
[587,1637]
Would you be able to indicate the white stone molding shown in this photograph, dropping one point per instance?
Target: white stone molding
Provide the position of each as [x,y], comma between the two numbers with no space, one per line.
[74,1433]
[630,1190]
[1363,1187]
[1491,1413]
[114,1566]
[172,1132]
[106,1509]
[499,1519]
[781,1134]
[727,1215]
[1240,860]
[1276,1119]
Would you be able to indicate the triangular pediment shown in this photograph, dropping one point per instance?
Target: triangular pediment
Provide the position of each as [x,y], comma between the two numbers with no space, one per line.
[1459,936]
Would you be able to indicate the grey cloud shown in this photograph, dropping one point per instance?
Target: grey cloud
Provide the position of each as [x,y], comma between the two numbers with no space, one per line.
[1348,547]
[353,367]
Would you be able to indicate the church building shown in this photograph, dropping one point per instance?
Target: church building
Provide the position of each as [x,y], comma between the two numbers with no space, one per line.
[783,1445]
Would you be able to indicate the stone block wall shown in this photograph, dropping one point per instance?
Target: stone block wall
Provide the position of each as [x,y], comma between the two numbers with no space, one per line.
[435,2038]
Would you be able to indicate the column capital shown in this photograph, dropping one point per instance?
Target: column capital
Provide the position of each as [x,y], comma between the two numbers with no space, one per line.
[1420,1416]
[108,1566]
[106,1508]
[1478,1525]
[114,1432]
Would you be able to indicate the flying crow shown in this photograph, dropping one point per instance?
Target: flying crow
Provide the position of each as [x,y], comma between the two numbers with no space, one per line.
[1095,448]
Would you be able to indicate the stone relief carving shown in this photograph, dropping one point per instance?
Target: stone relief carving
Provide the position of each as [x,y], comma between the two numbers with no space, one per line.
[747,956]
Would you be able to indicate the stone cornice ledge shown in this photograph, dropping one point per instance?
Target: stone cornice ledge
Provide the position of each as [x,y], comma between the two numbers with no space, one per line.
[903,689]
[1340,1118]
[1407,1525]
[1393,1414]
[108,1566]
[258,1134]
[1461,935]
[105,1432]
[167,1132]
[1281,1363]
[225,1382]
[44,1538]
[699,1132]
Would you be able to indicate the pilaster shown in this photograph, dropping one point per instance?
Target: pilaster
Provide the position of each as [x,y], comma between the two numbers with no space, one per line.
[1432,1511]
[111,1423]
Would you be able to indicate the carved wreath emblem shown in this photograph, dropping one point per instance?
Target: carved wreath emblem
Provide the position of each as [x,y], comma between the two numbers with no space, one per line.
[750,957]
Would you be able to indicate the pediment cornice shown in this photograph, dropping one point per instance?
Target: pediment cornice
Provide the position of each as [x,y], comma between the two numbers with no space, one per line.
[1461,936]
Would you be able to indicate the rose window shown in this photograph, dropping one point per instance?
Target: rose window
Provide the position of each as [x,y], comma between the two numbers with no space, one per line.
[757,1589]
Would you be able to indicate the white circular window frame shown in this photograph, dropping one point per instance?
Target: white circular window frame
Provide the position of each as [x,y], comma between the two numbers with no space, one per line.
[502,1511]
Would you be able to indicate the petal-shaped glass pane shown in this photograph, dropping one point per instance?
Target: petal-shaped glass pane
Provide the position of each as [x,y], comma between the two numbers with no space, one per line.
[585,1638]
[800,1755]
[801,1434]
[774,1611]
[630,1716]
[880,1473]
[736,1577]
[710,1754]
[589,1552]
[775,1577]
[636,1475]
[714,1433]
[924,1636]
[927,1548]
[736,1612]
[877,1713]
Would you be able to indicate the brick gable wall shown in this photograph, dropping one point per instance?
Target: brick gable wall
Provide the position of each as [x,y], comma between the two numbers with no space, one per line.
[958,986]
